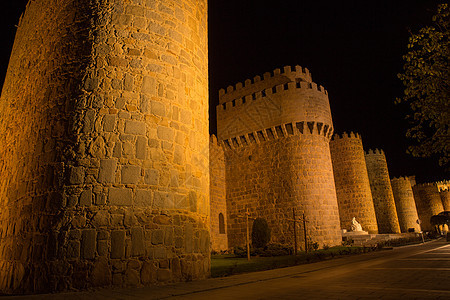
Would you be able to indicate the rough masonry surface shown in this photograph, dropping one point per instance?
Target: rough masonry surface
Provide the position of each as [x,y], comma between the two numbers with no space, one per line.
[104,160]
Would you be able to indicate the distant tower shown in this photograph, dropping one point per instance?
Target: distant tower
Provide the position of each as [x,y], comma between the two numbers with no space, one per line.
[380,186]
[445,197]
[444,192]
[428,203]
[218,217]
[276,133]
[352,182]
[404,204]
[104,149]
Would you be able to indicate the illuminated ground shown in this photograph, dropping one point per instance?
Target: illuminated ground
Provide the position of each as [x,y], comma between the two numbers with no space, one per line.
[411,272]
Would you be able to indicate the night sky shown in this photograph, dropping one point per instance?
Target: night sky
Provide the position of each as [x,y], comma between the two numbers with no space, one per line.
[353,48]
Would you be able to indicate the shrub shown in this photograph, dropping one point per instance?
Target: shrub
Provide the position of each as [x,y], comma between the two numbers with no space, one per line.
[260,233]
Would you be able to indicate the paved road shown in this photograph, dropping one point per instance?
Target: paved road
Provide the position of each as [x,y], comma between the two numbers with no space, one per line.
[412,272]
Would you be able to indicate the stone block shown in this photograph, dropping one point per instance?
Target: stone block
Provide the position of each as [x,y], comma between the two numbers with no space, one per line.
[164,275]
[135,127]
[85,198]
[168,236]
[158,108]
[148,85]
[143,198]
[109,123]
[157,237]
[148,273]
[107,171]
[117,244]
[120,196]
[73,249]
[137,241]
[76,175]
[163,200]
[88,243]
[165,133]
[189,238]
[141,147]
[151,177]
[131,174]
[101,273]
[101,218]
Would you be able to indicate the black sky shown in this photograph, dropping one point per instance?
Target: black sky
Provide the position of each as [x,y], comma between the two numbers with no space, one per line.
[353,48]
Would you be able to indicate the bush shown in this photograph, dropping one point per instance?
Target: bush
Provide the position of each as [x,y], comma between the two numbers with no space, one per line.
[260,233]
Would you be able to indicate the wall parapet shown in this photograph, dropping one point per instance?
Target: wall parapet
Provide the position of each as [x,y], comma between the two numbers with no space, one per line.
[374,152]
[346,135]
[276,89]
[277,132]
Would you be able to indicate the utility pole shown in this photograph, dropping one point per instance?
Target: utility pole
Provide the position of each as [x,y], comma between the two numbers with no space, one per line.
[304,230]
[295,230]
[248,235]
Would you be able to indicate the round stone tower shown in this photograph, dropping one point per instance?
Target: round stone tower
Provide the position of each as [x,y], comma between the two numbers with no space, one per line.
[352,182]
[104,160]
[276,133]
[428,203]
[404,204]
[380,186]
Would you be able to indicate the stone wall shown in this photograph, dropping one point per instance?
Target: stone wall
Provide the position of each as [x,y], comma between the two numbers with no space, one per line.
[273,177]
[404,204]
[352,182]
[219,238]
[105,156]
[428,203]
[276,133]
[380,186]
[445,197]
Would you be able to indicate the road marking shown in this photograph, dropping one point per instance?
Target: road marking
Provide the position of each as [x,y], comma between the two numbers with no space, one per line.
[424,259]
[393,268]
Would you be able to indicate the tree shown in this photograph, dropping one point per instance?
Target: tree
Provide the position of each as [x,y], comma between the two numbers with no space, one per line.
[260,233]
[426,81]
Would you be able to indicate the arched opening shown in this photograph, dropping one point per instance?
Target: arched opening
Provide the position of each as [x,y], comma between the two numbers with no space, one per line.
[221,224]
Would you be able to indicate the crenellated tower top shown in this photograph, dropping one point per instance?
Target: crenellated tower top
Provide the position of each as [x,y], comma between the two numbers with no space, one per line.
[286,96]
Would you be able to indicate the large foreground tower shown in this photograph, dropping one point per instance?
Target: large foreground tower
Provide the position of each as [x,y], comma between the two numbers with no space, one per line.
[104,155]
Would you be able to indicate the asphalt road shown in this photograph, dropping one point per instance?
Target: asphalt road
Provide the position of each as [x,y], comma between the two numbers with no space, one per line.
[411,272]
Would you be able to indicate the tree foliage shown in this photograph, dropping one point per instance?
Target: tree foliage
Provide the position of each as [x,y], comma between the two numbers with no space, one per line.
[426,81]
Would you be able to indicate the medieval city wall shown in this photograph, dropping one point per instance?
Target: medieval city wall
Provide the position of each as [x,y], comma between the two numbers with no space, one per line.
[428,203]
[404,204]
[105,171]
[218,203]
[380,186]
[352,182]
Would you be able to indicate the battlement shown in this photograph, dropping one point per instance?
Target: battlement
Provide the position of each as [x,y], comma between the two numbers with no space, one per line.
[277,89]
[374,152]
[269,80]
[346,135]
[401,178]
[277,132]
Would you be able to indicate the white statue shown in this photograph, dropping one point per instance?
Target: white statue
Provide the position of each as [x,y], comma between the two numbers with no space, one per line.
[355,225]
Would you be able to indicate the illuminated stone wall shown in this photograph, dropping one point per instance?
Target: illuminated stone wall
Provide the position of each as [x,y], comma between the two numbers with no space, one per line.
[404,204]
[445,197]
[219,239]
[380,186]
[428,203]
[104,155]
[352,182]
[276,135]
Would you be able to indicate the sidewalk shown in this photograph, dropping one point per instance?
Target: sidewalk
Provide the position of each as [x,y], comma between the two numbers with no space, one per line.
[337,267]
